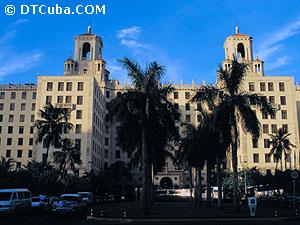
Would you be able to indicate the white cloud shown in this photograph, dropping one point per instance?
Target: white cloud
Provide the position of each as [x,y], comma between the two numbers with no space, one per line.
[278,63]
[19,63]
[272,43]
[131,33]
[11,60]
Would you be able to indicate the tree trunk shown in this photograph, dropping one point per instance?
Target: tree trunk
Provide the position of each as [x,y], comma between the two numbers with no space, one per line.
[219,181]
[145,193]
[199,186]
[285,162]
[208,184]
[190,184]
[234,146]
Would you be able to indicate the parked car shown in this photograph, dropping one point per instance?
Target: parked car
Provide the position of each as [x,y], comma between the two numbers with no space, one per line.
[87,196]
[40,202]
[15,200]
[70,203]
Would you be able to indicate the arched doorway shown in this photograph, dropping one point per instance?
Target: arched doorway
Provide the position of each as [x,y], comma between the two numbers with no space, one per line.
[166,183]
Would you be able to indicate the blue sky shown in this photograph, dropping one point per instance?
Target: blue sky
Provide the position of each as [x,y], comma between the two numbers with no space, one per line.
[186,36]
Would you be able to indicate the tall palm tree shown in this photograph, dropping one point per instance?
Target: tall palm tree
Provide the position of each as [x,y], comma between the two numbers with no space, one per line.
[67,158]
[234,108]
[51,126]
[147,106]
[281,146]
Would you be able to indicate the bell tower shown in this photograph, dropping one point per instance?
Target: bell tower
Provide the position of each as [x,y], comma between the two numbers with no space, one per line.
[87,56]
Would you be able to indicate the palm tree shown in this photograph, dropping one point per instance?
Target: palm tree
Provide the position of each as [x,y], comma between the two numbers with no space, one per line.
[187,151]
[6,166]
[67,158]
[235,108]
[147,106]
[51,126]
[281,145]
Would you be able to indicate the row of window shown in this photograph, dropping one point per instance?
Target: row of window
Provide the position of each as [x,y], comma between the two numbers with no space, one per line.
[21,118]
[68,99]
[19,153]
[266,127]
[262,86]
[186,94]
[12,107]
[20,141]
[13,95]
[268,158]
[61,85]
[10,129]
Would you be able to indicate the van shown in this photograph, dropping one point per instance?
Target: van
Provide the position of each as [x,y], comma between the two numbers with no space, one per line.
[15,200]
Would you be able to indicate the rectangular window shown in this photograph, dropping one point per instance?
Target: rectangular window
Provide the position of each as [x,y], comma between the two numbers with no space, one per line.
[270,86]
[187,107]
[8,153]
[272,99]
[31,130]
[265,128]
[0,129]
[12,106]
[19,154]
[60,99]
[1,118]
[78,114]
[21,130]
[80,86]
[20,141]
[266,143]
[118,154]
[106,129]
[10,129]
[2,95]
[22,118]
[29,153]
[188,118]
[254,143]
[274,128]
[267,158]
[8,141]
[48,100]
[262,86]
[13,95]
[106,141]
[107,94]
[175,95]
[33,107]
[24,95]
[69,86]
[105,153]
[282,100]
[285,127]
[251,86]
[281,86]
[273,116]
[256,158]
[34,95]
[79,100]
[1,106]
[30,141]
[49,86]
[11,118]
[283,114]
[187,95]
[176,106]
[264,115]
[78,129]
[60,86]
[78,143]
[23,106]
[32,118]
[68,99]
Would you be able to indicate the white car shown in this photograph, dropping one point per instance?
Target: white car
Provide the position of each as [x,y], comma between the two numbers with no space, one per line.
[12,200]
[70,203]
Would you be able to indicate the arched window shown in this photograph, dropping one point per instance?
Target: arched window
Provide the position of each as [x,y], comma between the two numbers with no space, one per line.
[240,51]
[86,51]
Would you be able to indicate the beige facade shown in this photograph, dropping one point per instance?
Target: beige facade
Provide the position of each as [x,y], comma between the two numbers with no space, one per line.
[85,88]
